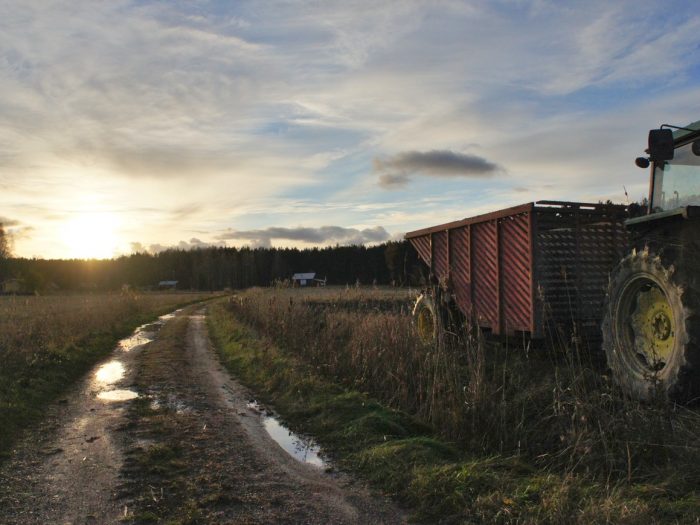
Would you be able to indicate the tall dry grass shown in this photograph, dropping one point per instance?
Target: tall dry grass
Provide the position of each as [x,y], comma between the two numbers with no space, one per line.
[48,342]
[553,405]
[33,326]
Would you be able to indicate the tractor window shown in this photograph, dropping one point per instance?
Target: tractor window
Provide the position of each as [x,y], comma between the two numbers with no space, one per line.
[677,182]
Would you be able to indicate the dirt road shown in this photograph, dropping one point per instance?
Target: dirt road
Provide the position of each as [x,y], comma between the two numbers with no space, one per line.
[160,432]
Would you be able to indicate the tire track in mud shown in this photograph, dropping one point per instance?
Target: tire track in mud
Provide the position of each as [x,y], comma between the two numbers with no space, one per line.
[188,448]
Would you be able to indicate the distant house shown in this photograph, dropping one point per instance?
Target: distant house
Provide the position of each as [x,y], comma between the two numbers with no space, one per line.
[167,285]
[303,279]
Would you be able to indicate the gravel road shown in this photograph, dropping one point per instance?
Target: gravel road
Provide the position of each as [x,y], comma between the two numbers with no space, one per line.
[161,432]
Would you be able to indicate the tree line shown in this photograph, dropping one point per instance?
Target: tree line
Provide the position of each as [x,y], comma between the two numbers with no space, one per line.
[216,268]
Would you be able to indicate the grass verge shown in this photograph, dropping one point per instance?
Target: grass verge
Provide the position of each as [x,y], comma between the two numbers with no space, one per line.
[404,458]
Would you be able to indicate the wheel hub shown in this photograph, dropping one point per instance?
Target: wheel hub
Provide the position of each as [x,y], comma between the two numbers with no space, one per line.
[652,325]
[661,326]
[426,324]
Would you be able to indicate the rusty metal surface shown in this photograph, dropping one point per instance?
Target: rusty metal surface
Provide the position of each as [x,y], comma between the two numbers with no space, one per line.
[460,246]
[485,274]
[422,246]
[515,210]
[473,220]
[518,269]
[516,273]
[440,254]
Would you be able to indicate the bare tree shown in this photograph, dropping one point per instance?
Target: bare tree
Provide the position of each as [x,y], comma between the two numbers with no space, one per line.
[5,253]
[4,244]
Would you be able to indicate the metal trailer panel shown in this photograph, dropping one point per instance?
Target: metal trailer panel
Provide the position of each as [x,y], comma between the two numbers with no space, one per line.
[485,284]
[514,269]
[439,243]
[460,258]
[575,252]
[422,246]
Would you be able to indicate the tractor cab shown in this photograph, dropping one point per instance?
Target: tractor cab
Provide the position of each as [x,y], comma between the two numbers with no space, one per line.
[675,176]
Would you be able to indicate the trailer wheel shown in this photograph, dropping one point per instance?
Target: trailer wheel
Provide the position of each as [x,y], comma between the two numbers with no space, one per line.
[425,318]
[649,332]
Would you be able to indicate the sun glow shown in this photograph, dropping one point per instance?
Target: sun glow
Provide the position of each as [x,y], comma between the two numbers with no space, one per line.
[90,235]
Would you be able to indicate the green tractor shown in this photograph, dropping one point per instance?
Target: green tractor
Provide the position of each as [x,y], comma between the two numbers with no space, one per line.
[651,324]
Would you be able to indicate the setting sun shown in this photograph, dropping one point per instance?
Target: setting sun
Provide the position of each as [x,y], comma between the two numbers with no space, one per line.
[91,236]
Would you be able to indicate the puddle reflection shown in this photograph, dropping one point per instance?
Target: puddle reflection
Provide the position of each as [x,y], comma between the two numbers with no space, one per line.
[110,372]
[114,371]
[300,448]
[117,395]
[145,333]
[140,337]
[166,317]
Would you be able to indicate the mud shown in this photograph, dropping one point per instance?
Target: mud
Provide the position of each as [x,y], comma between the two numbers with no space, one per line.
[82,465]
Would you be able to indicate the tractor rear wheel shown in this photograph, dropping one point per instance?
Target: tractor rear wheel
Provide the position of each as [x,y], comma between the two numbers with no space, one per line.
[650,334]
[425,318]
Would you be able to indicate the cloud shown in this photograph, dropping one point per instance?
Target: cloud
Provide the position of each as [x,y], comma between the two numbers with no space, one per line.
[192,244]
[4,221]
[322,235]
[216,114]
[16,230]
[397,171]
[184,212]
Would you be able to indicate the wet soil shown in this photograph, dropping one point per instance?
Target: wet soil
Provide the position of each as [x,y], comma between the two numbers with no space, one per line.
[161,433]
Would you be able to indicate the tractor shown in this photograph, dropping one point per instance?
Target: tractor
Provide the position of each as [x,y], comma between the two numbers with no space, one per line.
[569,268]
[651,324]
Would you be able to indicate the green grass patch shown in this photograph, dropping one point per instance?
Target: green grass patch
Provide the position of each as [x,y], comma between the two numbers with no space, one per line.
[403,457]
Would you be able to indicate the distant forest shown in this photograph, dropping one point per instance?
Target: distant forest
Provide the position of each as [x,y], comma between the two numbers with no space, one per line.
[218,268]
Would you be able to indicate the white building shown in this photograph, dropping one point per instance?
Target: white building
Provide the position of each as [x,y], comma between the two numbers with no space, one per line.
[303,279]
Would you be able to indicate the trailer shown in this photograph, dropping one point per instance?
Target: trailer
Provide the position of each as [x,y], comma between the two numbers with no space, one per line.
[522,269]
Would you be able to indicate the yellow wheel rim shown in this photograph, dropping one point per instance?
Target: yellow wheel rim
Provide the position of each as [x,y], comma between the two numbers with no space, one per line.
[426,324]
[653,326]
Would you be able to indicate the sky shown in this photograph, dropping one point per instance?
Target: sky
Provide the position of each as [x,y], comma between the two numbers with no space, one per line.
[132,126]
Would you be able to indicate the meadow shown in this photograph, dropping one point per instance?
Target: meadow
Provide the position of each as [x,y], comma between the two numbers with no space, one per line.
[48,342]
[466,429]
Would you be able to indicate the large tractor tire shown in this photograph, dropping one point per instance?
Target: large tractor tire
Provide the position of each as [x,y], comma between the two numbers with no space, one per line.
[650,332]
[425,317]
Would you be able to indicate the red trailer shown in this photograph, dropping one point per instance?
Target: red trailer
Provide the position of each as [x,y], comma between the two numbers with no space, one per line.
[513,269]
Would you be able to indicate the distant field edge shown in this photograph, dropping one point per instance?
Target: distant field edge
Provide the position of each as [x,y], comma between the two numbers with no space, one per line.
[403,458]
[28,388]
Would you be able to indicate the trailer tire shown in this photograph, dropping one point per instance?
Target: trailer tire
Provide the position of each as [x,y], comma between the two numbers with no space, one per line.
[425,318]
[650,331]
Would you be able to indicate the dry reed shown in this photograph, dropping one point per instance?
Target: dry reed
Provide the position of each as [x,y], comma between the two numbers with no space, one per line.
[552,406]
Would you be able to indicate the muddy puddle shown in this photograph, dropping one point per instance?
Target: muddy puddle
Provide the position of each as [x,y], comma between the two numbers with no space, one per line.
[301,448]
[117,395]
[109,374]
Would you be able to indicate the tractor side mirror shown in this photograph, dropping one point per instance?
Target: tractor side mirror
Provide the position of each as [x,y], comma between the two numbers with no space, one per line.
[660,144]
[696,148]
[642,162]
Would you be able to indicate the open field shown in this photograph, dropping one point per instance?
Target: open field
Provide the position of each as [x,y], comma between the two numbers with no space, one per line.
[383,298]
[47,342]
[479,431]
[462,431]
